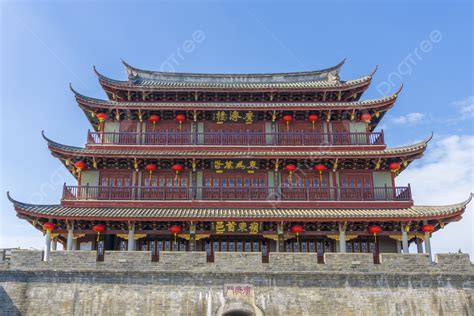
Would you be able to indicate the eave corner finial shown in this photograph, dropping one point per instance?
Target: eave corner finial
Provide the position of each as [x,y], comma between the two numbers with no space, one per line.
[10,198]
[396,93]
[374,71]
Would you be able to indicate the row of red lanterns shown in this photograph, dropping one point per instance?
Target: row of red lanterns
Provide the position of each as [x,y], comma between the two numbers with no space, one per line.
[154,118]
[176,168]
[180,118]
[176,229]
[374,229]
[101,228]
[291,168]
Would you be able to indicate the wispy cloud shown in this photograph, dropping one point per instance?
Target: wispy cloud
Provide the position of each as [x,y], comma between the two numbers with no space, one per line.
[445,176]
[409,119]
[465,107]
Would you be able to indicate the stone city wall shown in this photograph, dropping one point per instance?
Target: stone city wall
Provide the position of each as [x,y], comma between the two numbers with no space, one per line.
[183,283]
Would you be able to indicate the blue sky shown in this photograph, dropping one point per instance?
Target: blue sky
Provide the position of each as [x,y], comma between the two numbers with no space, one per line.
[428,46]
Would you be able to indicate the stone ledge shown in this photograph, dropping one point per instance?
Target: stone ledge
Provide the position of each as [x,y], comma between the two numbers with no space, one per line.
[28,260]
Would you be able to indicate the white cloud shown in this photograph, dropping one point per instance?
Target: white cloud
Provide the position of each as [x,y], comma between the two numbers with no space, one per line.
[410,118]
[446,176]
[465,106]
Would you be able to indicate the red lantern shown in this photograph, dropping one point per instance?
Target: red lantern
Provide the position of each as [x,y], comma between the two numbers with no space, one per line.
[287,119]
[49,226]
[290,168]
[175,230]
[101,117]
[366,117]
[154,118]
[80,165]
[313,118]
[427,228]
[394,167]
[150,168]
[177,168]
[297,229]
[320,168]
[99,229]
[374,229]
[180,118]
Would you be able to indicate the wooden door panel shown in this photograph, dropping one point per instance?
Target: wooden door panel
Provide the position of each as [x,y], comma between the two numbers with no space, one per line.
[340,133]
[234,134]
[165,186]
[301,133]
[115,185]
[311,187]
[128,132]
[356,186]
[167,133]
[235,186]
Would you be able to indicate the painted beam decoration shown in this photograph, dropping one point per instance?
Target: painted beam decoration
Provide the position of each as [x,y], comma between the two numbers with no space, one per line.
[231,227]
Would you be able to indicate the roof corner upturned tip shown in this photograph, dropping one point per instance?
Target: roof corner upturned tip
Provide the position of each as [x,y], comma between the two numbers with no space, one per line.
[372,73]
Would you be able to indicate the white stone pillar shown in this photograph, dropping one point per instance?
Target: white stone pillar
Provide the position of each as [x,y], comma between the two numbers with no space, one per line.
[342,237]
[70,240]
[47,245]
[55,244]
[131,239]
[428,246]
[419,246]
[399,247]
[404,240]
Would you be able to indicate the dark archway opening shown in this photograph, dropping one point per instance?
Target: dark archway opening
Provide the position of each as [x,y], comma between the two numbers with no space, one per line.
[238,313]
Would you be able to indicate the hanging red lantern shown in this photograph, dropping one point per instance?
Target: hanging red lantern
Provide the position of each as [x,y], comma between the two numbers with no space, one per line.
[154,118]
[80,165]
[313,118]
[175,230]
[394,167]
[287,119]
[150,168]
[374,229]
[177,168]
[180,118]
[291,168]
[428,228]
[366,117]
[49,226]
[99,229]
[320,168]
[297,229]
[102,117]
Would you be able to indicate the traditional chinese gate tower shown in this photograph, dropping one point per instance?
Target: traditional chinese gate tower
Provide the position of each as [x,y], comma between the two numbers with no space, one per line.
[247,162]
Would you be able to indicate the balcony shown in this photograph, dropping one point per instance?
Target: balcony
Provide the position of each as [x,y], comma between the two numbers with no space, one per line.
[238,139]
[269,194]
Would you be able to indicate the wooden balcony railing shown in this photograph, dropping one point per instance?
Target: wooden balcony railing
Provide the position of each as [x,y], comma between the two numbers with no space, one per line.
[246,139]
[237,194]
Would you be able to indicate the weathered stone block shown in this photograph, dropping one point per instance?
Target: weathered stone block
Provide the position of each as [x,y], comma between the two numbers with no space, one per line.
[293,261]
[406,262]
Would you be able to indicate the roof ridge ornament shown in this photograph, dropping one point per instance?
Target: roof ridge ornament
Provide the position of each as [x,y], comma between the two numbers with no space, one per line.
[135,73]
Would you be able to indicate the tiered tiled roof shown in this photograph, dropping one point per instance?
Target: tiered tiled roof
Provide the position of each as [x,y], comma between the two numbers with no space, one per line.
[110,104]
[186,152]
[117,213]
